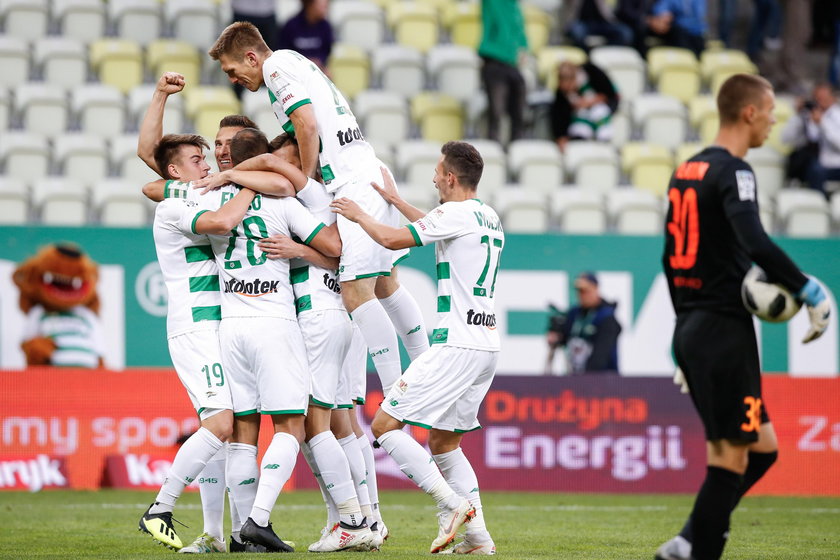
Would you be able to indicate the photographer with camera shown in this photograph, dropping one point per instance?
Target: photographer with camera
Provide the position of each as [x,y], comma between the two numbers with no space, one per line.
[814,133]
[589,331]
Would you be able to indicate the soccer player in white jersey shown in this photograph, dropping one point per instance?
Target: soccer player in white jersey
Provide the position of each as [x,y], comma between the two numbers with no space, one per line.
[307,103]
[443,389]
[192,281]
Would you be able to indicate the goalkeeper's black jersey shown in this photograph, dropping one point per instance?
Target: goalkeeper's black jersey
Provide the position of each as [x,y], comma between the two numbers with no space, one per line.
[713,233]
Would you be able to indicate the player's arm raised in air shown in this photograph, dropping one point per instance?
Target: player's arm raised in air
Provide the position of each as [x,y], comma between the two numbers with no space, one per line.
[387,236]
[151,129]
[221,221]
[284,247]
[389,192]
[306,131]
[154,190]
[264,173]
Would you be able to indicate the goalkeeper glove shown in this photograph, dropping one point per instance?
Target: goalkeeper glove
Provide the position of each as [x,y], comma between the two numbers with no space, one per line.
[819,311]
[679,379]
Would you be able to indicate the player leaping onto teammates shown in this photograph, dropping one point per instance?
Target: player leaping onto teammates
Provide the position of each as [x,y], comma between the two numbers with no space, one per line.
[712,234]
[309,105]
[443,389]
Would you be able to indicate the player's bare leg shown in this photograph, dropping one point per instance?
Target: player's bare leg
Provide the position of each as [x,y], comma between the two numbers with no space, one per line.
[404,313]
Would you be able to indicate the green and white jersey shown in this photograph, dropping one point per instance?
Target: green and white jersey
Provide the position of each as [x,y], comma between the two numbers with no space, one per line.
[77,333]
[468,239]
[252,284]
[293,81]
[315,288]
[186,262]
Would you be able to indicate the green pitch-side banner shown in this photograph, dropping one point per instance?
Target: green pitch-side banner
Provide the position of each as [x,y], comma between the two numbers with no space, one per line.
[536,270]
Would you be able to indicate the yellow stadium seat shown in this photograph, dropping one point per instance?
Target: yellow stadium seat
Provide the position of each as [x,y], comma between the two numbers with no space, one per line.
[783,111]
[463,20]
[207,105]
[649,166]
[687,151]
[659,58]
[170,55]
[349,69]
[537,27]
[549,57]
[675,72]
[414,24]
[440,117]
[118,62]
[703,115]
[716,66]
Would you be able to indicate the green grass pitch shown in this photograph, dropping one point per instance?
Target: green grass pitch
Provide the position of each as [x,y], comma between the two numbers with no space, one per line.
[68,525]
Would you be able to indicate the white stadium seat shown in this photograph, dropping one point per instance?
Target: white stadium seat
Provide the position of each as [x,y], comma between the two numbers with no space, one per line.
[578,210]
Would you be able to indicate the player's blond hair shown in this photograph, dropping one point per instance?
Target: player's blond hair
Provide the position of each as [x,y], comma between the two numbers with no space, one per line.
[737,92]
[238,38]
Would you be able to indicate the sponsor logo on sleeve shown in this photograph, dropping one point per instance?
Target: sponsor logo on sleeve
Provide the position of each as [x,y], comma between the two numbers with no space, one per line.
[746,184]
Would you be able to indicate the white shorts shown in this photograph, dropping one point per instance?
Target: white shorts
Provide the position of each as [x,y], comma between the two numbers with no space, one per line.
[327,336]
[443,389]
[265,360]
[198,363]
[361,256]
[353,379]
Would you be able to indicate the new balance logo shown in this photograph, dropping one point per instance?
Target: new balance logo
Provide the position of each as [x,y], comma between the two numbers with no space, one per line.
[188,479]
[248,481]
[272,466]
[414,330]
[254,288]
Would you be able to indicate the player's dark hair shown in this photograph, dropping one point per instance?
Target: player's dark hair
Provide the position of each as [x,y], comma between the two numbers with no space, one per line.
[238,121]
[737,92]
[238,38]
[167,149]
[463,160]
[282,140]
[247,143]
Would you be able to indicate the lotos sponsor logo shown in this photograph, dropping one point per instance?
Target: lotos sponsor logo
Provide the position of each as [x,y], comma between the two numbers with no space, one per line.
[331,283]
[481,319]
[255,288]
[588,413]
[33,473]
[349,135]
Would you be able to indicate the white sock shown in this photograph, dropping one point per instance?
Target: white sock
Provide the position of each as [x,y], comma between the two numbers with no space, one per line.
[379,335]
[332,509]
[211,485]
[276,468]
[460,476]
[370,468]
[405,314]
[242,476]
[187,466]
[235,520]
[358,471]
[335,472]
[419,467]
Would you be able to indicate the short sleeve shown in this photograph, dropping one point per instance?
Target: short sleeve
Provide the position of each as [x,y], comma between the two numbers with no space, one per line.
[444,222]
[301,222]
[316,198]
[284,85]
[738,189]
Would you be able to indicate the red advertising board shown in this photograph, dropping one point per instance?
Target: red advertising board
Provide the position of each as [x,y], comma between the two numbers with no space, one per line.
[85,429]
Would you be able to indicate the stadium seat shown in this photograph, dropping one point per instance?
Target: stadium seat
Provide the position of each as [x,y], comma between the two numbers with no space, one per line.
[549,57]
[537,27]
[718,65]
[173,117]
[703,116]
[14,201]
[578,210]
[100,108]
[358,23]
[635,212]
[687,150]
[463,19]
[440,117]
[624,66]
[118,63]
[621,125]
[399,69]
[423,197]
[136,20]
[660,58]
[14,59]
[25,19]
[129,167]
[536,164]
[661,118]
[25,156]
[766,212]
[61,61]
[60,201]
[349,69]
[769,168]
[83,20]
[783,111]
[5,109]
[42,108]
[416,161]
[593,165]
[521,210]
[494,176]
[383,116]
[256,107]
[120,203]
[170,55]
[834,209]
[454,70]
[414,24]
[207,105]
[803,213]
[675,72]
[195,22]
[648,166]
[82,157]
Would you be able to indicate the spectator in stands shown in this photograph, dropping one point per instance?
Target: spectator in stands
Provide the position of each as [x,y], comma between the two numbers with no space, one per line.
[795,36]
[725,21]
[310,32]
[766,28]
[834,61]
[633,13]
[680,23]
[814,132]
[503,43]
[262,13]
[595,17]
[583,105]
[589,331]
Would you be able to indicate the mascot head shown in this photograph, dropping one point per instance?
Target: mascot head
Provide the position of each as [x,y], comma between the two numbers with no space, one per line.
[58,277]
